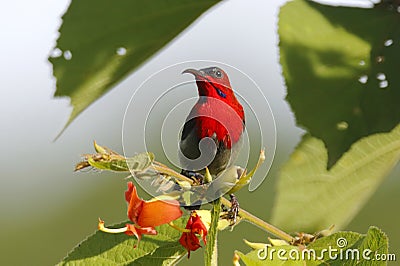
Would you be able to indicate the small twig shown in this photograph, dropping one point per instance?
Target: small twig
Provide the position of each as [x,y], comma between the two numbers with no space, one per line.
[107,154]
[260,223]
[159,167]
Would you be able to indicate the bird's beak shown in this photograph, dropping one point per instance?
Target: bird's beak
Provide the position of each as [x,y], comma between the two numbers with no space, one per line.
[196,73]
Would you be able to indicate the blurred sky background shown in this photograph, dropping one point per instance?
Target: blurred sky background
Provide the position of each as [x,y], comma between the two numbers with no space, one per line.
[46,209]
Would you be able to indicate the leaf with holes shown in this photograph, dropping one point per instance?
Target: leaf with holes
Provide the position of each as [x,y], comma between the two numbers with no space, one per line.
[310,198]
[340,66]
[102,41]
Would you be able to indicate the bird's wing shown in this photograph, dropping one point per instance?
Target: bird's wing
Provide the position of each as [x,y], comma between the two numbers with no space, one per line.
[189,126]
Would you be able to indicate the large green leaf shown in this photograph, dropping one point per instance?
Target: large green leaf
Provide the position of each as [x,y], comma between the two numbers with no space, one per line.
[349,248]
[119,249]
[375,242]
[340,66]
[102,41]
[311,198]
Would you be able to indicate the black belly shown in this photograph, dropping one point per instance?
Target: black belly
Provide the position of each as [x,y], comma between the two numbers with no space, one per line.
[196,153]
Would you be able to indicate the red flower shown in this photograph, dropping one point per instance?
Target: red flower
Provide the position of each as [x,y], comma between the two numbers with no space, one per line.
[189,240]
[132,230]
[150,213]
[145,215]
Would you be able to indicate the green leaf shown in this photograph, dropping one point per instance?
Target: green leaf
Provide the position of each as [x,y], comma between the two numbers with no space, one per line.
[139,162]
[119,249]
[311,198]
[169,254]
[354,249]
[327,53]
[244,179]
[107,159]
[105,40]
[251,258]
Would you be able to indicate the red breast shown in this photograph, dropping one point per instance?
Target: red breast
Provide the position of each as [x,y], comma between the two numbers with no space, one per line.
[218,112]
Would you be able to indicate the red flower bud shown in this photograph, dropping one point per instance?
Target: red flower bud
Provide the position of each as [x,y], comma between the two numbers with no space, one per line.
[189,240]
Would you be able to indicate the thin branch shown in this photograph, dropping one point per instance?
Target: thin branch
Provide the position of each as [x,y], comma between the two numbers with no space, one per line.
[260,223]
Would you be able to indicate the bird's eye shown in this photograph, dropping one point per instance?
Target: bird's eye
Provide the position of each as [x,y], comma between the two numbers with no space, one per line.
[218,74]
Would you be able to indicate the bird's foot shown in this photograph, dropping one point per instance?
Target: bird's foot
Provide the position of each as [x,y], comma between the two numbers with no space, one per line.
[196,177]
[233,212]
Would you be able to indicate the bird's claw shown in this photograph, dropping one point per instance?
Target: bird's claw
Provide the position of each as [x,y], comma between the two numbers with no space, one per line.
[196,177]
[198,180]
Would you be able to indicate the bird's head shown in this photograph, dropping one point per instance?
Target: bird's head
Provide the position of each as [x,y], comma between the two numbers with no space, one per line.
[218,102]
[213,82]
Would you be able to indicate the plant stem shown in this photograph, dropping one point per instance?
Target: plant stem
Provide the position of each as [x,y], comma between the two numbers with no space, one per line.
[183,230]
[159,167]
[242,213]
[260,223]
[211,252]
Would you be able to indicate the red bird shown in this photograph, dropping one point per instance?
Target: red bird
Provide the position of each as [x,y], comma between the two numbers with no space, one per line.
[212,133]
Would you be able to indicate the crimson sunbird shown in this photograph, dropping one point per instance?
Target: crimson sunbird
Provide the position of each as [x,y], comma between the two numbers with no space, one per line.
[211,136]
